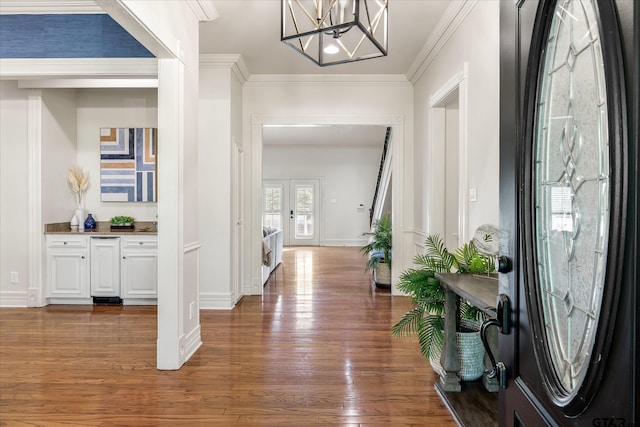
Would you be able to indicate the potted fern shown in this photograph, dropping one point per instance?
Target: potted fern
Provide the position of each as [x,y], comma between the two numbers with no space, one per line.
[379,251]
[426,319]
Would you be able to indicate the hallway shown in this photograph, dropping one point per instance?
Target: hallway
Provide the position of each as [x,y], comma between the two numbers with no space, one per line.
[316,349]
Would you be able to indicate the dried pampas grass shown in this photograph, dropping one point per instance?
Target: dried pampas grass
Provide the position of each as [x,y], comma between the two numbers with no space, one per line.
[79,181]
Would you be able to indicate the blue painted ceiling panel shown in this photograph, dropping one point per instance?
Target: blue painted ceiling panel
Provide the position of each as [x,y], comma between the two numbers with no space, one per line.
[66,36]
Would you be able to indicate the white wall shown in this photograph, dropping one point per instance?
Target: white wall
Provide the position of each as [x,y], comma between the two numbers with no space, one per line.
[13,193]
[476,44]
[377,100]
[100,108]
[347,178]
[59,153]
[214,168]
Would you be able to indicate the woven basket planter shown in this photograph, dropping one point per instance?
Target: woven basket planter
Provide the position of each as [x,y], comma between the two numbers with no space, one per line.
[382,275]
[470,353]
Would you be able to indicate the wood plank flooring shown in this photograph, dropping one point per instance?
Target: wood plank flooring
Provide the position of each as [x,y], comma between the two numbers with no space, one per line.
[315,349]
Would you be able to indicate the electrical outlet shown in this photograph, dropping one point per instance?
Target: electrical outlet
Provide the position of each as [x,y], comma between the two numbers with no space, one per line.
[192,309]
[14,277]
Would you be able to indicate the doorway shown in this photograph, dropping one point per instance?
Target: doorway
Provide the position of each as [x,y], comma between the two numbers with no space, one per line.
[253,284]
[449,161]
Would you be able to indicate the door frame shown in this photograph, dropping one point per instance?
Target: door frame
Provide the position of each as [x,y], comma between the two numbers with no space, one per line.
[437,110]
[401,188]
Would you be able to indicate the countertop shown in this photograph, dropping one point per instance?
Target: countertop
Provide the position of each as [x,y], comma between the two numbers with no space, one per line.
[103,227]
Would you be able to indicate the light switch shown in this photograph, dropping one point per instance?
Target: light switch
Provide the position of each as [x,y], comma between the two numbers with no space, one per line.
[473,194]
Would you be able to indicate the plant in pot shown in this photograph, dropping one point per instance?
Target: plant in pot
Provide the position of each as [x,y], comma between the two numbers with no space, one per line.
[426,319]
[379,251]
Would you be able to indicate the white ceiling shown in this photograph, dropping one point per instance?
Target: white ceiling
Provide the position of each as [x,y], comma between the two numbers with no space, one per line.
[251,28]
[325,135]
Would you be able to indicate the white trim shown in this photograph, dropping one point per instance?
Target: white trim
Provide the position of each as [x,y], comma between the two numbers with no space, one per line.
[216,301]
[449,87]
[344,242]
[194,246]
[204,10]
[257,80]
[15,68]
[458,81]
[123,15]
[34,213]
[190,343]
[13,299]
[453,17]
[76,7]
[233,61]
[87,83]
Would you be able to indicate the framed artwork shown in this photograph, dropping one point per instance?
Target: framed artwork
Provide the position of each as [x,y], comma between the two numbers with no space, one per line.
[128,164]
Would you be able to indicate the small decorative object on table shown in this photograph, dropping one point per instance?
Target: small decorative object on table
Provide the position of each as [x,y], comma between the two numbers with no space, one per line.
[122,223]
[79,182]
[73,223]
[89,223]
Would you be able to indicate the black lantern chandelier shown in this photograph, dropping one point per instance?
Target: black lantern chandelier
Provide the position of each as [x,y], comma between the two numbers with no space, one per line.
[330,32]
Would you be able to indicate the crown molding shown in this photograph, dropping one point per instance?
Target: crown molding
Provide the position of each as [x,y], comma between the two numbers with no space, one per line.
[74,67]
[204,10]
[15,7]
[233,61]
[453,17]
[320,79]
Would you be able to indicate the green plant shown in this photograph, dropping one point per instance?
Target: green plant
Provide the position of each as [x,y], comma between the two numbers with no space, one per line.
[380,240]
[426,319]
[121,220]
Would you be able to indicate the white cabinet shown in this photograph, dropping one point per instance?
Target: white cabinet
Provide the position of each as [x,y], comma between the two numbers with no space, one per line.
[80,267]
[67,269]
[105,266]
[139,269]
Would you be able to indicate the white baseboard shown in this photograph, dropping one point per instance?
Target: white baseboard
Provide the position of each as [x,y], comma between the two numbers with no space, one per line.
[13,299]
[216,301]
[344,242]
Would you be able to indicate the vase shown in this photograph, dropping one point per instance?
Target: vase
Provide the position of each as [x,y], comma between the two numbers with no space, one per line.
[73,223]
[89,223]
[79,213]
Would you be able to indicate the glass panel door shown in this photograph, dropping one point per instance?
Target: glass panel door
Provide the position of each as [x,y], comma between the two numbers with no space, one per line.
[304,213]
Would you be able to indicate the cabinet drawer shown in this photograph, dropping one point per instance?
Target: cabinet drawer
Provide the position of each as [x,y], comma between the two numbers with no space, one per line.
[138,243]
[66,241]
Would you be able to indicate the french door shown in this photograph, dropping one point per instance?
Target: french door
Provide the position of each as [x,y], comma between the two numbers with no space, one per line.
[568,212]
[293,207]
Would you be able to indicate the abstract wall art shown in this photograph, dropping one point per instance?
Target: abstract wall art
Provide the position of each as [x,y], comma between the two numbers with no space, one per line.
[128,164]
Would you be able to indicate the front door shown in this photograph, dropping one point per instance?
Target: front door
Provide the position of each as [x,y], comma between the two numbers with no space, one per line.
[568,211]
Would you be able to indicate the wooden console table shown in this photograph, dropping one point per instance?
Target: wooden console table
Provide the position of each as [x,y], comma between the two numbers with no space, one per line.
[481,292]
[470,403]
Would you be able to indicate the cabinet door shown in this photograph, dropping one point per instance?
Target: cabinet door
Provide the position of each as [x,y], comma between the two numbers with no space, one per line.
[139,269]
[140,274]
[105,267]
[67,273]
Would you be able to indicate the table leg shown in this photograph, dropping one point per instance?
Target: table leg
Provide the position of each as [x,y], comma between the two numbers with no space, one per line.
[449,379]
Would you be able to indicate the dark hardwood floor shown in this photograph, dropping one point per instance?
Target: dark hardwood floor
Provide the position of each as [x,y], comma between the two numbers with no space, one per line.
[316,348]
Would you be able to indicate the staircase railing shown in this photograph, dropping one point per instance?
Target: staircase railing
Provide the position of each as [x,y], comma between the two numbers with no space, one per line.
[382,159]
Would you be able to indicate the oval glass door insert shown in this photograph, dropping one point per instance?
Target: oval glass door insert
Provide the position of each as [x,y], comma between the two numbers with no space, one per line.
[571,191]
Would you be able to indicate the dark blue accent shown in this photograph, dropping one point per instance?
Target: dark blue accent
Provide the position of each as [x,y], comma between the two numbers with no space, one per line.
[89,223]
[138,186]
[66,36]
[150,186]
